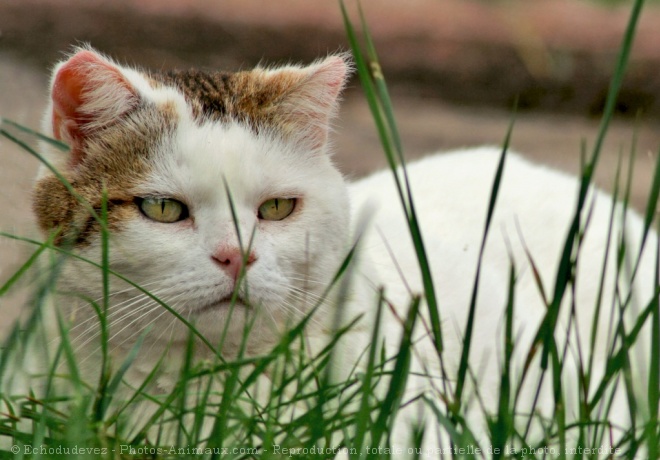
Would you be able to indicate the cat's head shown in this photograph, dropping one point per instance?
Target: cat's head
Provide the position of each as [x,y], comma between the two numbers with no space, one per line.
[184,159]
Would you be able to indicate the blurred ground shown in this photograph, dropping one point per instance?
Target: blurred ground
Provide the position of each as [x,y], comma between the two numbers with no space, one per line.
[454,66]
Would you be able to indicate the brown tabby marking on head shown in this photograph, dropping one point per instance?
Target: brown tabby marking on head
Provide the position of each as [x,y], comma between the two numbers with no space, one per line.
[116,159]
[250,97]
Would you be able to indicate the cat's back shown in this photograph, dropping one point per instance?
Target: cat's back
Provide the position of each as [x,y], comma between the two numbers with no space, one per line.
[445,183]
[451,194]
[534,210]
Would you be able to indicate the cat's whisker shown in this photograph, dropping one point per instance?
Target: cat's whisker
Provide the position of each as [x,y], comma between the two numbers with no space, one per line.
[114,308]
[307,295]
[171,304]
[112,312]
[93,330]
[117,346]
[152,307]
[324,283]
[82,323]
[295,311]
[149,307]
[97,331]
[301,303]
[128,289]
[112,318]
[170,327]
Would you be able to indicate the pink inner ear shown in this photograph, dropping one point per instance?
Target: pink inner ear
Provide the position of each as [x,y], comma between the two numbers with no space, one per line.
[67,98]
[74,87]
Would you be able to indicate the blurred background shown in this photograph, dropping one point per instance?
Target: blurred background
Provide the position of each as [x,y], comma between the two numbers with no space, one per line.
[455,68]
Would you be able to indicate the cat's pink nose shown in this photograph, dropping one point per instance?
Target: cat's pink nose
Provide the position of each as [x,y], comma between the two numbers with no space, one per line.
[230,260]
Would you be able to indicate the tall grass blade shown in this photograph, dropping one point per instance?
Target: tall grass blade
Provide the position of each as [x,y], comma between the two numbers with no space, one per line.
[467,340]
[397,384]
[23,269]
[115,380]
[383,115]
[55,143]
[363,419]
[654,366]
[547,329]
[652,203]
[88,207]
[503,426]
[616,82]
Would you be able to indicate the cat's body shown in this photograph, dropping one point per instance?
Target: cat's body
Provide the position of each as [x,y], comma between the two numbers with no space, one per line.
[534,211]
[187,158]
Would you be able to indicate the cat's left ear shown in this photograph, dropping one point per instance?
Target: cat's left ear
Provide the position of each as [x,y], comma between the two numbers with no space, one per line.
[305,111]
[88,93]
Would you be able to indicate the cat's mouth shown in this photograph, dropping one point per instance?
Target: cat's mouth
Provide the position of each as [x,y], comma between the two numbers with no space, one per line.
[225,302]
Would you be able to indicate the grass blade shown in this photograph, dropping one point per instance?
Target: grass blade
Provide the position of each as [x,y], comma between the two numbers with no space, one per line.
[392,399]
[465,352]
[383,115]
[654,367]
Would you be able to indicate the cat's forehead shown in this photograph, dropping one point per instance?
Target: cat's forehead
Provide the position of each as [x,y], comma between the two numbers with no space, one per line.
[203,159]
[228,96]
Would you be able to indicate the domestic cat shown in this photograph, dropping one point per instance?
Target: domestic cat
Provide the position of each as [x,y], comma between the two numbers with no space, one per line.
[222,199]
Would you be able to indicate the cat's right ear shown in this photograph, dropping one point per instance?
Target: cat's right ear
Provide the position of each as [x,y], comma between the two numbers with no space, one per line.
[304,100]
[88,92]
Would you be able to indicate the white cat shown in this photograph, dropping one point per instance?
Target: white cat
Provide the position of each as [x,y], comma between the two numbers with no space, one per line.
[188,157]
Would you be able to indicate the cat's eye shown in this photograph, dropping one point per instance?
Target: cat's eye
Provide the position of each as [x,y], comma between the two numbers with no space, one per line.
[276,208]
[165,210]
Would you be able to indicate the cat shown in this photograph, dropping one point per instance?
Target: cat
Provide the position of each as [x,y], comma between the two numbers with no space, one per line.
[222,197]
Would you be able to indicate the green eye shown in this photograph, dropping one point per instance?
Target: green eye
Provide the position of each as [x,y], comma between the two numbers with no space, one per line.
[165,210]
[276,208]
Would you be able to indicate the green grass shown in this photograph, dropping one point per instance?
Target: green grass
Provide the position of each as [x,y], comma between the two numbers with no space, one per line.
[305,409]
